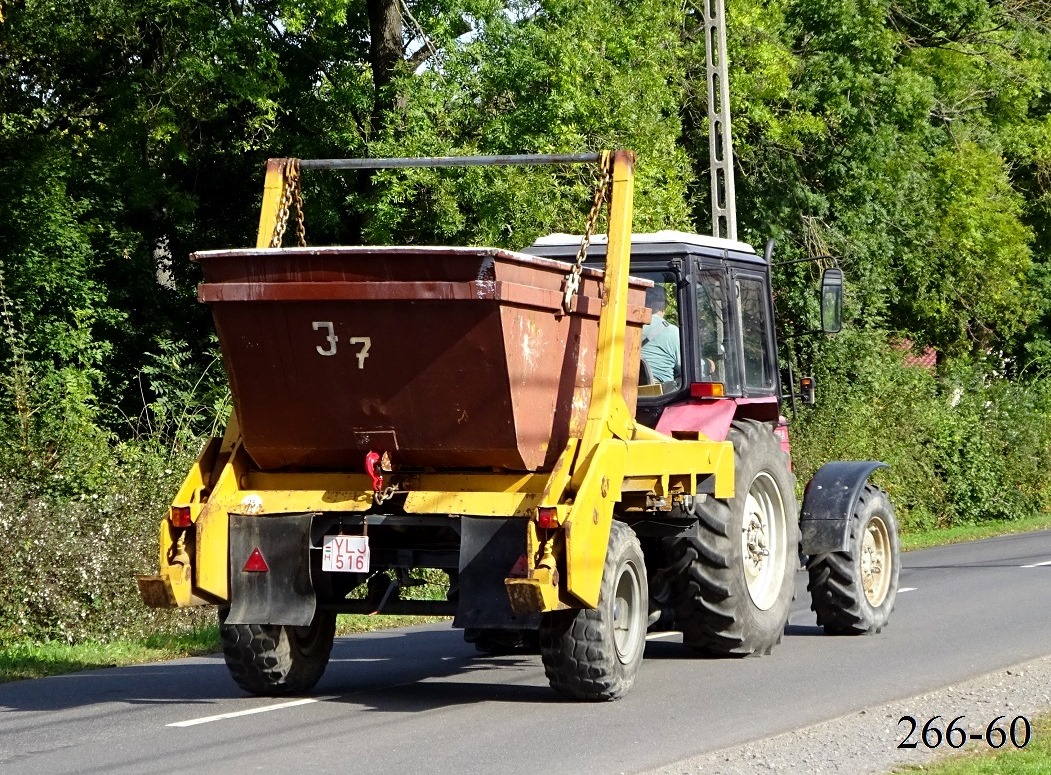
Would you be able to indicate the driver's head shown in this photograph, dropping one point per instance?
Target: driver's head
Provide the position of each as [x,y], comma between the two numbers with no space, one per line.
[657,299]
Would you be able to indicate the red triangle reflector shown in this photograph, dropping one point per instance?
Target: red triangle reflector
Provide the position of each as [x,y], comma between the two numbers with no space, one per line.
[256,563]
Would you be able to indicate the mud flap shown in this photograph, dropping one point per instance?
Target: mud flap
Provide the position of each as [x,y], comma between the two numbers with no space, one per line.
[489,548]
[284,592]
[828,504]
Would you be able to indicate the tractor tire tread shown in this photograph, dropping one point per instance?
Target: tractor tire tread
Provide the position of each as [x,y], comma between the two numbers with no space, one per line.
[836,595]
[709,595]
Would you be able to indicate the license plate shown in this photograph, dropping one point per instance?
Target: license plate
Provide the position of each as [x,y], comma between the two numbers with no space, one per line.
[345,554]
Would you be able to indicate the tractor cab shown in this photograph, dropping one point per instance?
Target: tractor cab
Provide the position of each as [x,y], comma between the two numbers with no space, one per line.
[709,353]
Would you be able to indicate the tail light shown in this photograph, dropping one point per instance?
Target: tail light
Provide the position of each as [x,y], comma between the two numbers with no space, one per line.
[180,516]
[707,390]
[547,517]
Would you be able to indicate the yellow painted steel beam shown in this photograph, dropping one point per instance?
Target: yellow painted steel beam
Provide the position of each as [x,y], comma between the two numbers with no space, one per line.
[337,482]
[482,495]
[659,458]
[475,504]
[608,413]
[192,492]
[642,433]
[273,190]
[588,523]
[211,555]
[175,584]
[561,476]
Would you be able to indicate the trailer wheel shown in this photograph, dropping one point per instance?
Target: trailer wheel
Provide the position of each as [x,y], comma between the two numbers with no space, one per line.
[594,653]
[853,592]
[734,581]
[270,659]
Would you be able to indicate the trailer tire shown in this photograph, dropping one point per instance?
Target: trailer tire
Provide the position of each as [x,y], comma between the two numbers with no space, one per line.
[271,659]
[852,592]
[594,654]
[730,599]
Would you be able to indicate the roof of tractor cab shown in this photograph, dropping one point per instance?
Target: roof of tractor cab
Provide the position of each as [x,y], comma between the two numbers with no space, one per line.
[656,244]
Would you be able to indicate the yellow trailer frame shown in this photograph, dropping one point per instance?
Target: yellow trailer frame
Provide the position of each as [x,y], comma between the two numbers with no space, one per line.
[616,463]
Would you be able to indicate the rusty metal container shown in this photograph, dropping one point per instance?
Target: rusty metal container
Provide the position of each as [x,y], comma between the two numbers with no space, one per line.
[442,357]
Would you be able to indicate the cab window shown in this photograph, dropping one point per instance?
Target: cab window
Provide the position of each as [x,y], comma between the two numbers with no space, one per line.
[754,325]
[714,332]
[660,371]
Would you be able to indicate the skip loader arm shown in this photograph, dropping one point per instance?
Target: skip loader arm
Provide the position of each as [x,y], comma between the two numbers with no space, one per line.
[578,503]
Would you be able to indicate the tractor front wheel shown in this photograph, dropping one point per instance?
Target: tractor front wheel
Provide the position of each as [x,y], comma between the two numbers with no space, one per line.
[594,653]
[853,592]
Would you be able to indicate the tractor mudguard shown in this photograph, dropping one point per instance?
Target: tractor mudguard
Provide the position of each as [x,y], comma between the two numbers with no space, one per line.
[489,549]
[828,504]
[283,592]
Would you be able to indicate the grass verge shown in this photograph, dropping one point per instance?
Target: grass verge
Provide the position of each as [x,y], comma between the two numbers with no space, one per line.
[1034,759]
[957,535]
[24,659]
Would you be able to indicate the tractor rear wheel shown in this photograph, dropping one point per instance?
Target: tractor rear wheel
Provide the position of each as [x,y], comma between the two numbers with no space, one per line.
[594,653]
[271,659]
[734,580]
[853,592]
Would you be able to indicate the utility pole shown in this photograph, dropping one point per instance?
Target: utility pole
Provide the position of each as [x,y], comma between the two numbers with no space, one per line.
[720,144]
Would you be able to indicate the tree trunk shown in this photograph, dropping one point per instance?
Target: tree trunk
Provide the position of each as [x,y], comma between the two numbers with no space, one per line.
[385,52]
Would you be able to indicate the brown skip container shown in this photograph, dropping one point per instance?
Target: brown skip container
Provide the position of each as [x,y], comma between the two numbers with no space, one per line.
[443,357]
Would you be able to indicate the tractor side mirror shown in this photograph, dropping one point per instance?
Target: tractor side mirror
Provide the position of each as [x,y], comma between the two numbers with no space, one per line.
[832,300]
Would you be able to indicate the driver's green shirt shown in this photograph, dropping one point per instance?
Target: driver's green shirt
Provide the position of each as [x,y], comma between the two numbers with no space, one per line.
[660,349]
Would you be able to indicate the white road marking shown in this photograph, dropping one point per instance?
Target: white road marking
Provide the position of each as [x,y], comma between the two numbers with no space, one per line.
[906,589]
[658,635]
[1037,564]
[221,716]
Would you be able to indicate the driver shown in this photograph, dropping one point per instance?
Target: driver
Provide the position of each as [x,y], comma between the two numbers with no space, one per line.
[660,339]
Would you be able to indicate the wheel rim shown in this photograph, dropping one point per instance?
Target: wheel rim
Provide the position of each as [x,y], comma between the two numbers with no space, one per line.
[876,561]
[628,626]
[763,532]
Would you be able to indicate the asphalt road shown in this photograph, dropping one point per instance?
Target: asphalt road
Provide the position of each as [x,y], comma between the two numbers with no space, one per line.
[419,700]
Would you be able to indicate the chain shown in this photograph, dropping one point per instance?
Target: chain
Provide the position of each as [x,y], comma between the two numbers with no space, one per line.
[601,196]
[297,193]
[291,195]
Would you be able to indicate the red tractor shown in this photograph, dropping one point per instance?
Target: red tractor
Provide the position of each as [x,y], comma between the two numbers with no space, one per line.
[722,571]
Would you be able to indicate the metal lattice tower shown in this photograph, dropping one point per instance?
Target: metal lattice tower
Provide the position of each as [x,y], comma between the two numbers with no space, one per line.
[720,144]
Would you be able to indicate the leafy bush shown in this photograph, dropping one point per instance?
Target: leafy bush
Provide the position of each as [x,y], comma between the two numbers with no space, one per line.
[871,407]
[963,446]
[70,562]
[189,402]
[79,509]
[49,434]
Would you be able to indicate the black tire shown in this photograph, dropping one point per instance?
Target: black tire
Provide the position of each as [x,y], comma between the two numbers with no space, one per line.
[729,599]
[594,653]
[269,659]
[661,617]
[853,592]
[497,643]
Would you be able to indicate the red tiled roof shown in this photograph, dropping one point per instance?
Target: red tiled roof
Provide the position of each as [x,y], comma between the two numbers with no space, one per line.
[927,359]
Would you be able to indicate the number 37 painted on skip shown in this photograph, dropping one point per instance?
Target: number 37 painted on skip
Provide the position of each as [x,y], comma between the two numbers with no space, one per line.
[331,339]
